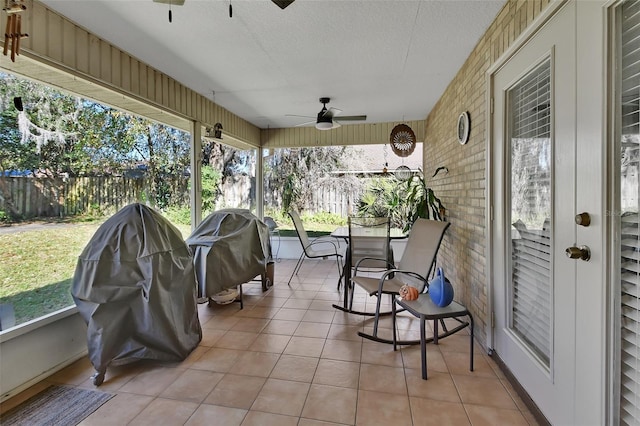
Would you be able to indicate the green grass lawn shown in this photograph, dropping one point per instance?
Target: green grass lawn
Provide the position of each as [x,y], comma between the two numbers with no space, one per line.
[37,266]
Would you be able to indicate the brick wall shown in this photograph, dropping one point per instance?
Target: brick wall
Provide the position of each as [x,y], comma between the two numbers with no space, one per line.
[462,189]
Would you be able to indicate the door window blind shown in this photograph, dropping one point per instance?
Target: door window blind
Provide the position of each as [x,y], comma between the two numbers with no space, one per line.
[529,133]
[629,124]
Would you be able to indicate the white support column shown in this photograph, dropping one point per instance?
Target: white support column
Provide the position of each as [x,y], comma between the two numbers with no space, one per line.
[259,183]
[196,174]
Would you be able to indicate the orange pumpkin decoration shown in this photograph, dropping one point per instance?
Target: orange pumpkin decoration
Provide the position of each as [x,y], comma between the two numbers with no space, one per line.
[408,292]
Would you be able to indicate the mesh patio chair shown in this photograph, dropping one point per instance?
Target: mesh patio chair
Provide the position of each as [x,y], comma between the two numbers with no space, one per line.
[414,268]
[317,248]
[369,250]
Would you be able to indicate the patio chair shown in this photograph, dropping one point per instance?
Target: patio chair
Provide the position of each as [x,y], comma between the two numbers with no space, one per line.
[414,268]
[368,249]
[318,248]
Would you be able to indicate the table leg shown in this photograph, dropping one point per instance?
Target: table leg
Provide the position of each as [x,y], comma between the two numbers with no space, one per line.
[471,349]
[347,277]
[435,332]
[393,322]
[423,346]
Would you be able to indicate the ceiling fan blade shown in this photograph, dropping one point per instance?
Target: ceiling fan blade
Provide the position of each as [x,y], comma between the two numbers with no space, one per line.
[352,118]
[172,2]
[332,112]
[282,3]
[305,124]
[295,115]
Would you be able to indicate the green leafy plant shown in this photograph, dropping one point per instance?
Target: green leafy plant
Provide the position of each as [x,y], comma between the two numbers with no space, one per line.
[422,201]
[402,201]
[290,194]
[325,218]
[385,197]
[210,187]
[178,215]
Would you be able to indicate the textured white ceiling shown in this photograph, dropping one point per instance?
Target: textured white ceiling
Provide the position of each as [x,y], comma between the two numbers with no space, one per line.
[388,59]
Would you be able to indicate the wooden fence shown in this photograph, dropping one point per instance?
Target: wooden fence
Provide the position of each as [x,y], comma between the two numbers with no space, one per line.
[29,197]
[323,199]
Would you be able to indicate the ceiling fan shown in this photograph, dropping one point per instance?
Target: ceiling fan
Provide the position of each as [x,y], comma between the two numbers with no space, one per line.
[171,2]
[281,4]
[329,118]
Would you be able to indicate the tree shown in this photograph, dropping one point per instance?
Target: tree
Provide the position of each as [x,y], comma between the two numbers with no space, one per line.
[62,134]
[294,174]
[236,167]
[38,136]
[166,151]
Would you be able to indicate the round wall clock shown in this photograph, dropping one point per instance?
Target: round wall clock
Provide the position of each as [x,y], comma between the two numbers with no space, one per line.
[403,140]
[464,126]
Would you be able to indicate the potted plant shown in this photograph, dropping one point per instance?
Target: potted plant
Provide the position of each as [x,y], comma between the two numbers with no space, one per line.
[421,200]
[402,200]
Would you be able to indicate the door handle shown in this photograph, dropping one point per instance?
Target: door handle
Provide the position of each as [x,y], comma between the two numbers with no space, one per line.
[583,219]
[582,252]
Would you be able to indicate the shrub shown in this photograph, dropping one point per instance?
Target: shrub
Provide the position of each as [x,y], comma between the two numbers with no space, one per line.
[210,187]
[178,215]
[278,216]
[386,197]
[402,201]
[325,217]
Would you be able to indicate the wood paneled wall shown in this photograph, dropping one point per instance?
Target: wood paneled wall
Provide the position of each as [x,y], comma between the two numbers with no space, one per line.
[65,55]
[60,53]
[351,134]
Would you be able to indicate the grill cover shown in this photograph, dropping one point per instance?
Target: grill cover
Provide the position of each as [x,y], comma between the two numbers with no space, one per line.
[135,287]
[230,247]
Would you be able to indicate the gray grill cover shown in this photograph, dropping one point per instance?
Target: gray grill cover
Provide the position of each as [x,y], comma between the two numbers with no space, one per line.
[230,247]
[135,287]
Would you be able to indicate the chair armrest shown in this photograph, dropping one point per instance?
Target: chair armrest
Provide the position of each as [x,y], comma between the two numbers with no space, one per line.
[384,276]
[379,259]
[327,237]
[316,242]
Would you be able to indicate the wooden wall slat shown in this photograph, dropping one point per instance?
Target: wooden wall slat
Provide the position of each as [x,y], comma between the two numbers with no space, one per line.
[157,87]
[81,50]
[94,56]
[54,31]
[172,94]
[151,84]
[68,43]
[39,22]
[105,61]
[126,70]
[116,67]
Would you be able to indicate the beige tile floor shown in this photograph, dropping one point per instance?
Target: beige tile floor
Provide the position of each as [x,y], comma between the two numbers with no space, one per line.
[290,358]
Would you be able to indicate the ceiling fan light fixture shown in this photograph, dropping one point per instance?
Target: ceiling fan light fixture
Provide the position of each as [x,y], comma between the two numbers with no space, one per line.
[171,2]
[324,120]
[324,125]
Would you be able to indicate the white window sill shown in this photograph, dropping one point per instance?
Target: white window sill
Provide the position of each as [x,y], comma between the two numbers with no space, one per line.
[34,324]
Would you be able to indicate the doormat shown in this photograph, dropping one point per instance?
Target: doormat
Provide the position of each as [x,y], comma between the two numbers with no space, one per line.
[56,405]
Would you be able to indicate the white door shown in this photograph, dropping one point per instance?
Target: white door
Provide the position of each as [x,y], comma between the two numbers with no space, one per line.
[537,163]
